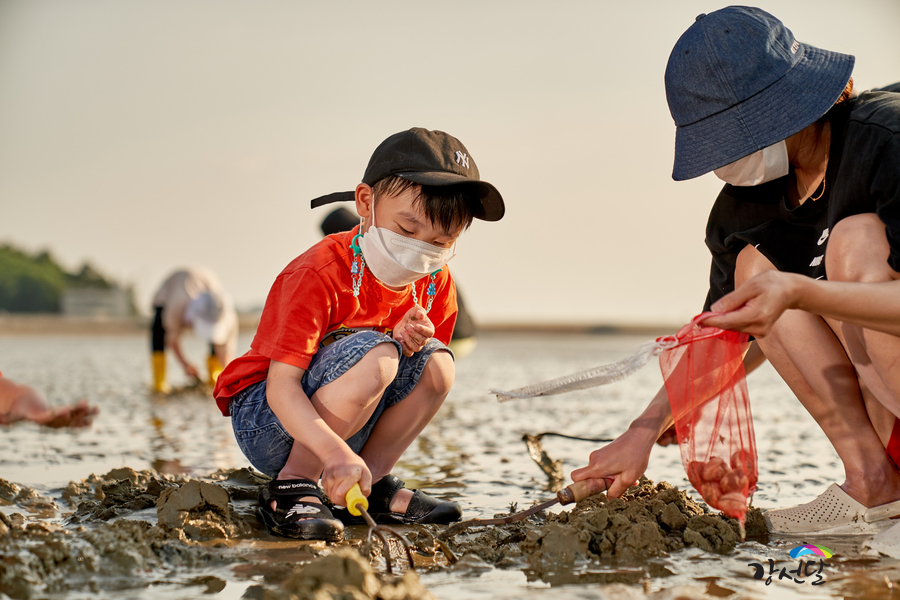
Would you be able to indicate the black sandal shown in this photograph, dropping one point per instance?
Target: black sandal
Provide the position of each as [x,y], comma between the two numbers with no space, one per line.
[422,507]
[295,518]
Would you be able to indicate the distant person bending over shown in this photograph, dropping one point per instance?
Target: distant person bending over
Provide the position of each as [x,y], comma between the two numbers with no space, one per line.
[464,337]
[192,297]
[813,190]
[22,403]
[350,361]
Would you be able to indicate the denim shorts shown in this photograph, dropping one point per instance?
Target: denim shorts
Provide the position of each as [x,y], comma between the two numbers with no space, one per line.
[261,436]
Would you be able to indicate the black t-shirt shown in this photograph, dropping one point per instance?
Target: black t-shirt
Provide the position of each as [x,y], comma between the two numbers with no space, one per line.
[863,176]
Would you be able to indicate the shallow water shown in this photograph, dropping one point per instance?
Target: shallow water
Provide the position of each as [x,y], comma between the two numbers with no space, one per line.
[471,452]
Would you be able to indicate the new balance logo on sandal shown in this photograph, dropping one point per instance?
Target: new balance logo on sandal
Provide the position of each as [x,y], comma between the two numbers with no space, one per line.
[300,509]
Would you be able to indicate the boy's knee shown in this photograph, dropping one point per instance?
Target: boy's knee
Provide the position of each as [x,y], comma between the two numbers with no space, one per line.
[439,374]
[858,250]
[750,262]
[382,361]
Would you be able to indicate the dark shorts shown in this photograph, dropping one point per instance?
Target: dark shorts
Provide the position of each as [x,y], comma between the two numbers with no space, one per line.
[261,436]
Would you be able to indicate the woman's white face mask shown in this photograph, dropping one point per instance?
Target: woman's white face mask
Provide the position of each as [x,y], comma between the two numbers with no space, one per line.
[763,165]
[397,260]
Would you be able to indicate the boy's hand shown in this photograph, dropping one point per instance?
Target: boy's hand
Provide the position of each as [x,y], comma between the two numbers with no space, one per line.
[624,459]
[414,330]
[340,471]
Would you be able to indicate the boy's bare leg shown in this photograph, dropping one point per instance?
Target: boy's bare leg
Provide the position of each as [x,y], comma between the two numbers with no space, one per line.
[400,424]
[857,252]
[810,358]
[345,405]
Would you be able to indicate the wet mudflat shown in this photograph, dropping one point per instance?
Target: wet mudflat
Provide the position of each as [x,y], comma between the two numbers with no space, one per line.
[155,501]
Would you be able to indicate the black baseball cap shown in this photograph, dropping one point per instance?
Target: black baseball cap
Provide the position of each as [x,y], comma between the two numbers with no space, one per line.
[427,158]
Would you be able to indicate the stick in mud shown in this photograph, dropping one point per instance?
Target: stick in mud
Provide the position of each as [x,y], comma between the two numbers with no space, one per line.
[551,468]
[575,492]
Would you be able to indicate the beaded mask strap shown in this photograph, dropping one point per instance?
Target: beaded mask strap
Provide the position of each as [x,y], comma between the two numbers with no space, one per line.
[358,266]
[430,292]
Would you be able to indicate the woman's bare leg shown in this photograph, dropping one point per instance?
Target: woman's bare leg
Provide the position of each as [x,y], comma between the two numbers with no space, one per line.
[857,252]
[811,359]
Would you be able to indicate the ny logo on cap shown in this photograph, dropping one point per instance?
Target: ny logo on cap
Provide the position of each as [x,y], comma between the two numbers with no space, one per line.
[462,159]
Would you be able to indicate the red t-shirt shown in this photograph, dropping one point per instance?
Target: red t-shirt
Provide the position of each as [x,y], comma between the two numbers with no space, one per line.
[312,299]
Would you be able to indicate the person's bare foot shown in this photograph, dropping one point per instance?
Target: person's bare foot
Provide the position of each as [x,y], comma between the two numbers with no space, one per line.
[400,501]
[311,499]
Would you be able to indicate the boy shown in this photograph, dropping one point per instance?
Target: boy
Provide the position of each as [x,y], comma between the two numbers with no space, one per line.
[350,360]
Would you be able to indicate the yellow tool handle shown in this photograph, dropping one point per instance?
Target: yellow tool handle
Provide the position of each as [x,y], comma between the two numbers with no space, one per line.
[580,490]
[354,497]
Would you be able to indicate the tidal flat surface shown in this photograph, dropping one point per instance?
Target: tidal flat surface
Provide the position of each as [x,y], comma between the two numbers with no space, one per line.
[472,452]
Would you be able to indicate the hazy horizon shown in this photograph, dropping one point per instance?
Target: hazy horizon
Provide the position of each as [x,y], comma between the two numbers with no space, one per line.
[144,136]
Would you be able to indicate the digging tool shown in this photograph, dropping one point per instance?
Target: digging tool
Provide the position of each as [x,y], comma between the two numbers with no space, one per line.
[357,505]
[575,492]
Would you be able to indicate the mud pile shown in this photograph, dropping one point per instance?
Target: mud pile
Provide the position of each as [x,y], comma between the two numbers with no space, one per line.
[343,574]
[45,557]
[649,520]
[50,556]
[132,529]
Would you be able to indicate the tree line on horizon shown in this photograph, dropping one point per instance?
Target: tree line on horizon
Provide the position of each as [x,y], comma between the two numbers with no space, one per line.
[35,283]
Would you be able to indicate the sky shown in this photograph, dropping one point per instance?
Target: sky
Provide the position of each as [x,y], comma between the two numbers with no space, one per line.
[143,136]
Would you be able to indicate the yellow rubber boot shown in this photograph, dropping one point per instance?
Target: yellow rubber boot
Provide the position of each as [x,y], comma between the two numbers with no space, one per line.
[159,373]
[214,367]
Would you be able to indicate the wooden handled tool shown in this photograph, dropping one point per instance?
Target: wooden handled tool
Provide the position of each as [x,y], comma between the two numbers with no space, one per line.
[578,491]
[575,492]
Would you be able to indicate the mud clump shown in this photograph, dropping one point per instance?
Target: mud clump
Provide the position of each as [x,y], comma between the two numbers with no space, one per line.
[9,491]
[344,574]
[115,498]
[241,484]
[24,496]
[649,520]
[199,509]
[44,558]
[202,510]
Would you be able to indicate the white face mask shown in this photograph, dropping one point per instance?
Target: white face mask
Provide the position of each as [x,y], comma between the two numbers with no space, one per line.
[763,165]
[397,260]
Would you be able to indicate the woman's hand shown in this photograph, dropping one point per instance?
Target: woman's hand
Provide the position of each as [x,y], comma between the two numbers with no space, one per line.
[755,306]
[625,459]
[414,330]
[340,470]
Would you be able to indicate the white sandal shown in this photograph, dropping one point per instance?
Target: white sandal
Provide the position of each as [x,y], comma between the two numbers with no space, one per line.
[834,512]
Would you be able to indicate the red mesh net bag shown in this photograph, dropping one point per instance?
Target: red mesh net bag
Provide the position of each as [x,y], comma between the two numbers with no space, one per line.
[706,383]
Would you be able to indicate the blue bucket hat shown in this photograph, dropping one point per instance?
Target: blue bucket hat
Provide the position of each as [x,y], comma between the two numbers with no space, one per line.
[738,81]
